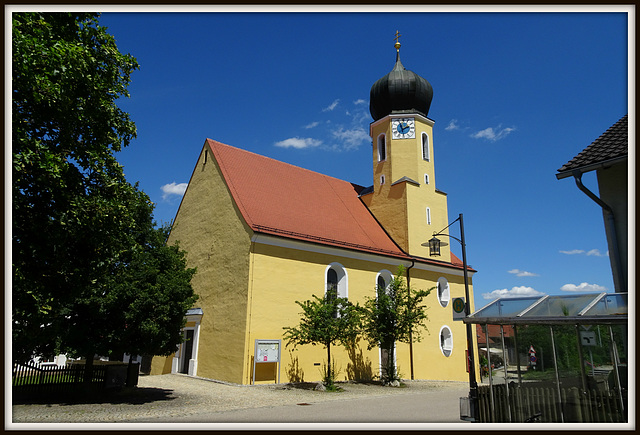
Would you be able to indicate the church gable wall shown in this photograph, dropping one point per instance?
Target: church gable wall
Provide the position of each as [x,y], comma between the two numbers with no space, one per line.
[212,231]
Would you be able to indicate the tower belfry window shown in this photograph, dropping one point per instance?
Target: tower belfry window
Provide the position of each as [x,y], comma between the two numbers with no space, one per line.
[425,147]
[382,148]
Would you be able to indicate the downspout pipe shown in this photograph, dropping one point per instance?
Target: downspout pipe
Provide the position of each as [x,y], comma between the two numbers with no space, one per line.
[413,263]
[618,276]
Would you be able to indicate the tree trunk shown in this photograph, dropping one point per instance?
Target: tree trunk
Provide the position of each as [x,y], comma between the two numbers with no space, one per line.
[88,369]
[329,380]
[392,361]
[388,366]
[129,381]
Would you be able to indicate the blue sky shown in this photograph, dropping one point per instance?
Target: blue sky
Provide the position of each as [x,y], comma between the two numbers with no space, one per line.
[516,95]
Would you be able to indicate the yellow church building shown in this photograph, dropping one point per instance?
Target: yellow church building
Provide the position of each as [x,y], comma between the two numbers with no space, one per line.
[264,234]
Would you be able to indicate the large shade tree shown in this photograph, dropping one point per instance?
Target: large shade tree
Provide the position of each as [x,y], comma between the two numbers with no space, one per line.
[80,230]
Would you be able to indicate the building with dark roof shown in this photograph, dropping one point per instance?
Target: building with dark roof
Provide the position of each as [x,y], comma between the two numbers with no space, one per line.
[264,234]
[608,157]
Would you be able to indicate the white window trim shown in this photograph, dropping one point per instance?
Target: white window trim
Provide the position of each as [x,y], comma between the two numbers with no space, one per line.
[446,294]
[428,216]
[422,143]
[426,178]
[343,279]
[386,274]
[447,350]
[388,277]
[382,179]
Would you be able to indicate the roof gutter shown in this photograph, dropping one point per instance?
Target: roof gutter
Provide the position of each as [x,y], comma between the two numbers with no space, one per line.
[618,276]
[595,166]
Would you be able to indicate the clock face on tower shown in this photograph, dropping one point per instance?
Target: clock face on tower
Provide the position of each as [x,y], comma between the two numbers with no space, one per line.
[403,128]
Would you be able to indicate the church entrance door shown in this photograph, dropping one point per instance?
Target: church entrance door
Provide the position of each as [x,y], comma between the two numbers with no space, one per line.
[187,351]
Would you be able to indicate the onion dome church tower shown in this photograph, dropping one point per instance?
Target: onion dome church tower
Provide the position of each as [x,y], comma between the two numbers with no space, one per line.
[404,197]
[401,91]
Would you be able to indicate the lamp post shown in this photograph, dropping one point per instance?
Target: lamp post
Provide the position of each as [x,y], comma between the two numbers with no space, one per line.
[434,250]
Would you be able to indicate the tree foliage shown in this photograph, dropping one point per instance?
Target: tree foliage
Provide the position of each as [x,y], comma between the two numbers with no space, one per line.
[82,236]
[325,321]
[396,314]
[149,296]
[565,338]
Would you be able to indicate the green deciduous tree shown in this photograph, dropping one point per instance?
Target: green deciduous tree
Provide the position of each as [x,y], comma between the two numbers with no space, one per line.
[86,257]
[149,296]
[325,321]
[396,314]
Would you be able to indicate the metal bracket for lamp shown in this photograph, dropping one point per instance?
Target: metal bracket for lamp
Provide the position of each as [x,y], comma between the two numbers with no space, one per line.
[435,243]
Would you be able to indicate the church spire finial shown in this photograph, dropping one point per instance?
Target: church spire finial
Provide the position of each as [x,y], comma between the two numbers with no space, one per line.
[397,44]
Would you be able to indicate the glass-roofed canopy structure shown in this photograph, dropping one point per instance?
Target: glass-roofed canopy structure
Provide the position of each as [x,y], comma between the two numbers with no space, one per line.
[580,309]
[576,390]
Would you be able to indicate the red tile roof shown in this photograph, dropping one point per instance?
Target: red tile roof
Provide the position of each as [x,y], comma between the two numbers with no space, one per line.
[279,198]
[285,200]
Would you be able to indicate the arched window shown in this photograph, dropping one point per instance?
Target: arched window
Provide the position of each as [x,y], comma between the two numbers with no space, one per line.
[428,216]
[426,178]
[446,340]
[336,278]
[443,291]
[383,279]
[425,146]
[382,179]
[332,280]
[382,148]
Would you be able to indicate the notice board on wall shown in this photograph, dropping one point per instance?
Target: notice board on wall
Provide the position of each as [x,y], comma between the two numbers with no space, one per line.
[266,351]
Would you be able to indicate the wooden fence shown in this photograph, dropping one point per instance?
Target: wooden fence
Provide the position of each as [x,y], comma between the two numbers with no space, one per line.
[523,402]
[40,381]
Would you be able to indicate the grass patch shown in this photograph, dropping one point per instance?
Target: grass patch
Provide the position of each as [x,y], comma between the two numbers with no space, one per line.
[333,388]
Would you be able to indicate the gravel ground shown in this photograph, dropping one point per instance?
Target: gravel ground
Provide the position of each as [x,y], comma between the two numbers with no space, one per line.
[166,396]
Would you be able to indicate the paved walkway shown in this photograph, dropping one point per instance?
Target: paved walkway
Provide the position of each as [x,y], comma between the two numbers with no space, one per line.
[177,400]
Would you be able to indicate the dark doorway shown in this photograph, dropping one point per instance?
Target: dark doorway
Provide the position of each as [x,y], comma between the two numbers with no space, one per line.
[188,350]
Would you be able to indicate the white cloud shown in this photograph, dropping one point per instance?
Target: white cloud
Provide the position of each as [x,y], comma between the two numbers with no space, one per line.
[518,272]
[453,125]
[331,106]
[360,101]
[513,293]
[312,125]
[351,139]
[491,134]
[596,253]
[591,253]
[583,287]
[299,143]
[573,252]
[173,189]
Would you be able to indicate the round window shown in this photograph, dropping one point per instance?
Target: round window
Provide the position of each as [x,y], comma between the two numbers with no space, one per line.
[443,292]
[446,341]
